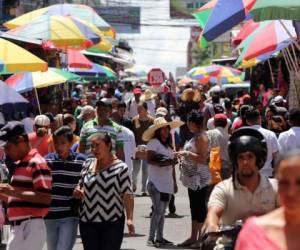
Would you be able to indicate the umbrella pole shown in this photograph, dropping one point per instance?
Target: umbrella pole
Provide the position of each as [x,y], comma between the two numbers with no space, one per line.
[37,100]
[271,72]
[290,68]
[291,58]
[288,65]
[289,33]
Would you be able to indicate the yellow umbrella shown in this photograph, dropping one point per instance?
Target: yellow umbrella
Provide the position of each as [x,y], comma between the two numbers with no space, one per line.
[61,30]
[104,45]
[14,59]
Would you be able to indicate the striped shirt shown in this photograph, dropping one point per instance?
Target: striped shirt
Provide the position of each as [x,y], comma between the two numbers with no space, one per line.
[92,127]
[65,177]
[103,192]
[30,174]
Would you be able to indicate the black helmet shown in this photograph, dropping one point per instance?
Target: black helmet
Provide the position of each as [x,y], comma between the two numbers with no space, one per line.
[247,139]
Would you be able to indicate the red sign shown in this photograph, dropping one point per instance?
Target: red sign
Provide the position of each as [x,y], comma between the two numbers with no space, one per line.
[156,77]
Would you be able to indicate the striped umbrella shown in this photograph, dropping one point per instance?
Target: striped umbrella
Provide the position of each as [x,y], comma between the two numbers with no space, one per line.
[97,70]
[83,12]
[26,81]
[215,74]
[225,15]
[202,15]
[267,39]
[62,31]
[14,59]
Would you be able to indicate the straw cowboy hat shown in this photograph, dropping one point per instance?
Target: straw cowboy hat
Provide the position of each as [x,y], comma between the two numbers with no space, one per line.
[147,95]
[190,90]
[157,124]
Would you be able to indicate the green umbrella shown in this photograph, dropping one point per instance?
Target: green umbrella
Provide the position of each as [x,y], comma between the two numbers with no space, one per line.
[276,9]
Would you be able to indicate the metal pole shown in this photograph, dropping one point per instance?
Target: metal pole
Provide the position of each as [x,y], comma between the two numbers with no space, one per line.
[271,72]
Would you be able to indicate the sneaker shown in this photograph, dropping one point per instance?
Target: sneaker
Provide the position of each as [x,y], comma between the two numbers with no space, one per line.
[163,242]
[174,215]
[144,194]
[151,243]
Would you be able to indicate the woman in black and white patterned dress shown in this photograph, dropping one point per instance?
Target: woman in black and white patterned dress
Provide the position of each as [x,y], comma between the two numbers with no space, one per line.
[105,190]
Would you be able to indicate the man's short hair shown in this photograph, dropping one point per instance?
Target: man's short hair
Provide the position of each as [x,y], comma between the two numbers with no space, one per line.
[294,117]
[122,105]
[252,115]
[64,131]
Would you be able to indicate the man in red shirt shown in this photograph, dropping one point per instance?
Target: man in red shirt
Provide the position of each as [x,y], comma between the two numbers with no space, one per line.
[28,194]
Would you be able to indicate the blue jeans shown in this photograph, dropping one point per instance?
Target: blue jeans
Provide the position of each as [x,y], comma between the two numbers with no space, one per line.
[158,213]
[136,170]
[61,233]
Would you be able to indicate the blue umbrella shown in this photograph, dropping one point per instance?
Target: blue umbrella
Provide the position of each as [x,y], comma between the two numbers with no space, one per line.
[11,101]
[225,15]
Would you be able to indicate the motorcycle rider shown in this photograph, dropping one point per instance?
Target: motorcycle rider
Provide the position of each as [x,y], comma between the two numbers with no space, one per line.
[247,192]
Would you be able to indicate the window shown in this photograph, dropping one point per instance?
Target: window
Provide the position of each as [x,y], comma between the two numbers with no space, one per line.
[190,6]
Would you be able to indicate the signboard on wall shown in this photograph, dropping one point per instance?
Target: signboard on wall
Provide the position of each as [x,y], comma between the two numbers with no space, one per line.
[123,19]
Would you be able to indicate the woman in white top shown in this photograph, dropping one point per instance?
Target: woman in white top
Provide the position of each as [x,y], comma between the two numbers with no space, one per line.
[161,178]
[195,175]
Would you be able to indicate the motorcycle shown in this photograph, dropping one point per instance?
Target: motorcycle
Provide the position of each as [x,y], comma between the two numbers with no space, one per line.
[224,239]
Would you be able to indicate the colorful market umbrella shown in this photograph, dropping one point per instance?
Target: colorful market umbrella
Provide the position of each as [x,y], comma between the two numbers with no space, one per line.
[215,74]
[96,71]
[62,31]
[11,101]
[245,31]
[269,37]
[14,59]
[202,15]
[26,81]
[276,9]
[225,15]
[83,12]
[75,59]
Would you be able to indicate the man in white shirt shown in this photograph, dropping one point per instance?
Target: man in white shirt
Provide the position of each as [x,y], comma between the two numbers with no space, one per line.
[290,140]
[128,141]
[253,119]
[133,103]
[219,137]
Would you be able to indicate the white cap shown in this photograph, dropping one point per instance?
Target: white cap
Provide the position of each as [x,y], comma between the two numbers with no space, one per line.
[42,120]
[161,112]
[86,110]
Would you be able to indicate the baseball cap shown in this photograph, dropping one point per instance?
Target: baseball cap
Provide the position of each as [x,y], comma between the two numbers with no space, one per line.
[161,112]
[85,110]
[220,117]
[42,120]
[137,91]
[11,130]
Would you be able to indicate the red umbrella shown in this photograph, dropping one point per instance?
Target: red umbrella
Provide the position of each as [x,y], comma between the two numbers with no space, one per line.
[245,31]
[78,60]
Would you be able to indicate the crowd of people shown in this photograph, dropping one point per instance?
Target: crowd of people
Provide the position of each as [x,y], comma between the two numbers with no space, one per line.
[80,168]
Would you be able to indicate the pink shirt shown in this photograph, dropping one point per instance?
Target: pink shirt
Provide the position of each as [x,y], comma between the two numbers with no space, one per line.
[253,237]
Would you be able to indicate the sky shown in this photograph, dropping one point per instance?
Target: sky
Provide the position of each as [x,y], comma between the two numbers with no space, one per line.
[162,42]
